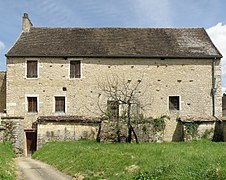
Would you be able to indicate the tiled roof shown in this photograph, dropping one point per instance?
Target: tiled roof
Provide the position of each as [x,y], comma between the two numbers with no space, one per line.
[115,42]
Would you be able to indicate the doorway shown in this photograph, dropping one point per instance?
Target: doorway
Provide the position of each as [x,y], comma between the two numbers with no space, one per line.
[31,141]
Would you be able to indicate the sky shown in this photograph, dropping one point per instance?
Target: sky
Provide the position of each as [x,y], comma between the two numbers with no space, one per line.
[209,14]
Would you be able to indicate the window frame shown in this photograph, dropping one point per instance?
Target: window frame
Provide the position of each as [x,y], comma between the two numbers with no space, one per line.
[27,104]
[26,69]
[178,103]
[110,104]
[55,104]
[80,69]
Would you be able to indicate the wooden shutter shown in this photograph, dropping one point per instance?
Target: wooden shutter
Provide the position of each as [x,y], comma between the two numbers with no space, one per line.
[32,69]
[60,104]
[75,69]
[32,104]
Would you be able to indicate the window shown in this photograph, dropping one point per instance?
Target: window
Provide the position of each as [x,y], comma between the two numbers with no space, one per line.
[75,69]
[32,69]
[32,104]
[113,109]
[174,103]
[59,104]
[135,109]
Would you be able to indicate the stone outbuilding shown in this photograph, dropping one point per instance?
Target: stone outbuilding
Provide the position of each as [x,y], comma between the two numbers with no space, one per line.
[54,74]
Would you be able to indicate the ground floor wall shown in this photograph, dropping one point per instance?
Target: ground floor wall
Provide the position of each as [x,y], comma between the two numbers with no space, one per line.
[64,131]
[26,141]
[154,131]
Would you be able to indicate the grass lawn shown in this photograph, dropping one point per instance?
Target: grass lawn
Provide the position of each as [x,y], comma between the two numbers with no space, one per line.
[7,166]
[181,160]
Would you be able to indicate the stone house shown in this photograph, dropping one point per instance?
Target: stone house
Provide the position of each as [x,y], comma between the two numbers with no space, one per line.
[53,75]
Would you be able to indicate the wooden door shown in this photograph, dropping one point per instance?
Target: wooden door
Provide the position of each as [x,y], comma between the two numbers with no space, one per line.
[31,137]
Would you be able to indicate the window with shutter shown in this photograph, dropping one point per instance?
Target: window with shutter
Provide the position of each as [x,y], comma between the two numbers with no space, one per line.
[59,104]
[113,109]
[32,104]
[32,69]
[75,69]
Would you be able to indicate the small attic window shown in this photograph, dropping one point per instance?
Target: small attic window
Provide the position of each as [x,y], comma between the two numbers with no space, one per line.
[75,69]
[174,103]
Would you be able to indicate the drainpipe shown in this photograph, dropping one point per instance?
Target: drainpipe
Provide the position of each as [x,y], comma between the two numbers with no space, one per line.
[213,90]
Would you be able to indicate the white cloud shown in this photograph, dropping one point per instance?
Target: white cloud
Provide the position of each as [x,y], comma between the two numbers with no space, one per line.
[2,45]
[218,36]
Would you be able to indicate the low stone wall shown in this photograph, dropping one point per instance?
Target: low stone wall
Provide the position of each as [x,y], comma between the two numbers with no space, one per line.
[65,131]
[198,130]
[195,128]
[14,133]
[2,130]
[112,131]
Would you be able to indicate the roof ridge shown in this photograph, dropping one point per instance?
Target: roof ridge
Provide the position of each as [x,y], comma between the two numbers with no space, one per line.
[37,27]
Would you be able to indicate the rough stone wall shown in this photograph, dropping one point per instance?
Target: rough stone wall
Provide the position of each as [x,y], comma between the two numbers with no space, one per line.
[191,79]
[59,131]
[2,130]
[112,131]
[2,91]
[204,130]
[14,133]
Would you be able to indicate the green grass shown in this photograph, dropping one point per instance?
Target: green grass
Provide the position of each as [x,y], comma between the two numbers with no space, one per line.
[184,160]
[7,166]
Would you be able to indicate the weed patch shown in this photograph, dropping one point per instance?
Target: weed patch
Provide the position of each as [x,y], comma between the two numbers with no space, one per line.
[7,167]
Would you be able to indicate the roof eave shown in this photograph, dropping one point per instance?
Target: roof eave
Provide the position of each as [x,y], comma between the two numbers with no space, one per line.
[119,56]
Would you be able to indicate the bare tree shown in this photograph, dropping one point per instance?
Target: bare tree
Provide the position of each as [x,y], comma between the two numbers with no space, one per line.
[125,93]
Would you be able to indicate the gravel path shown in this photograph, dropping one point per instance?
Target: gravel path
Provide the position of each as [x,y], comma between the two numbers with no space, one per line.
[30,169]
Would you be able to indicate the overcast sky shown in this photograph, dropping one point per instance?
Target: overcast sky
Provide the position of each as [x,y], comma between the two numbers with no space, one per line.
[209,14]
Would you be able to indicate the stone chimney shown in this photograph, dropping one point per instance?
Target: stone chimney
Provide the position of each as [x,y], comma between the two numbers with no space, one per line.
[26,24]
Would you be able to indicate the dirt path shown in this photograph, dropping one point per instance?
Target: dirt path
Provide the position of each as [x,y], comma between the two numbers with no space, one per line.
[32,169]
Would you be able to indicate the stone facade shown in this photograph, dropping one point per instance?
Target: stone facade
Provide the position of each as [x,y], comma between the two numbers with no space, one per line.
[190,79]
